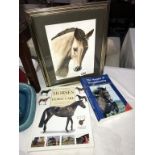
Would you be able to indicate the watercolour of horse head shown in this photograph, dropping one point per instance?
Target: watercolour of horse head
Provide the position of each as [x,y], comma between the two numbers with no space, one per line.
[79,47]
[70,44]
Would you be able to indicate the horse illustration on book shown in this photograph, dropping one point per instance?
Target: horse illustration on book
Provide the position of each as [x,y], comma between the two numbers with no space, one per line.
[43,100]
[82,97]
[67,111]
[105,101]
[80,90]
[45,92]
[83,139]
[70,44]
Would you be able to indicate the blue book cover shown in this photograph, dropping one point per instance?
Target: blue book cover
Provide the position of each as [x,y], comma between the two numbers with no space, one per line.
[104,97]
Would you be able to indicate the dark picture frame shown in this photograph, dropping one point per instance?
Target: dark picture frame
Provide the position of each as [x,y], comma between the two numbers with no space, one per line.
[45,22]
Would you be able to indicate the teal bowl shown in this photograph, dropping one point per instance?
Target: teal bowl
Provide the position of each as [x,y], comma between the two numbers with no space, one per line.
[27,106]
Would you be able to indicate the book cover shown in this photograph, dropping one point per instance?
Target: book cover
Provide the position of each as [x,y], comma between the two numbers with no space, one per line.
[62,119]
[104,97]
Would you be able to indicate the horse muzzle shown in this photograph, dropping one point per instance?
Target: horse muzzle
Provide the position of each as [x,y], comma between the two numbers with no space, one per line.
[78,68]
[83,106]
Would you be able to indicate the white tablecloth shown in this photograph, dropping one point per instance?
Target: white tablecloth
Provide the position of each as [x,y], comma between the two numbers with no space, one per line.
[113,136]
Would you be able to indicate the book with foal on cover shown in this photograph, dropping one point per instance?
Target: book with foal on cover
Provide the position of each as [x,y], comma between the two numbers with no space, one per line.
[62,119]
[104,97]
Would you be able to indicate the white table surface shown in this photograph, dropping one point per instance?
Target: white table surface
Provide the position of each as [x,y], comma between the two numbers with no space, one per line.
[113,136]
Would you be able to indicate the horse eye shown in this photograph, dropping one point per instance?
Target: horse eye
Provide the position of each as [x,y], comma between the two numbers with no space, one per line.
[75,49]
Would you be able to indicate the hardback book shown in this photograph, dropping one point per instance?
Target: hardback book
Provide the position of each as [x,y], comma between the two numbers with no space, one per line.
[104,97]
[62,119]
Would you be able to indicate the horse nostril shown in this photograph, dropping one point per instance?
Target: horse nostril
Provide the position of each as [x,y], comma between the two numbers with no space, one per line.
[77,68]
[75,49]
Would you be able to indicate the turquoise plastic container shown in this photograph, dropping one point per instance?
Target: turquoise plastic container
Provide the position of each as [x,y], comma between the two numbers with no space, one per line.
[27,106]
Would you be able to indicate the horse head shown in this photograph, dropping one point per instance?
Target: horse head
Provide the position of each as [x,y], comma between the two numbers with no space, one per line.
[99,91]
[103,92]
[81,104]
[79,47]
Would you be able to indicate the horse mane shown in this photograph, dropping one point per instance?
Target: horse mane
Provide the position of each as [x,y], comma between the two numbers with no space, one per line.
[64,32]
[78,33]
[74,103]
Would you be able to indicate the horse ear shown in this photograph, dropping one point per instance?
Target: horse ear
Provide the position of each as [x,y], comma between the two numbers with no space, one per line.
[76,33]
[89,34]
[79,34]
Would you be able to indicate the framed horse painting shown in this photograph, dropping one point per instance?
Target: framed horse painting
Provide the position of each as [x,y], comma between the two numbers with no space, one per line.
[70,41]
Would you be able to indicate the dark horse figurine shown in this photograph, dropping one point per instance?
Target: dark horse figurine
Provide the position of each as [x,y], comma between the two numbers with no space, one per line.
[105,101]
[67,111]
